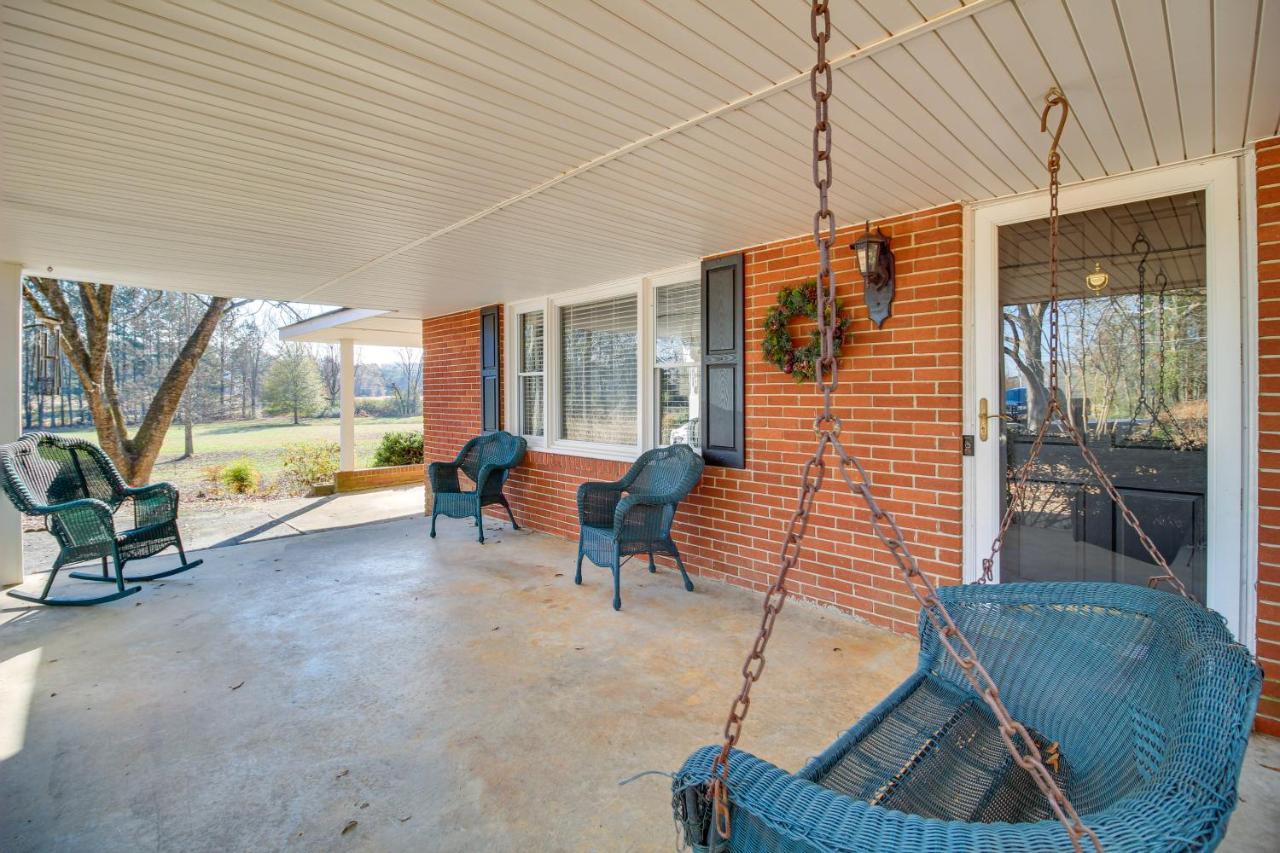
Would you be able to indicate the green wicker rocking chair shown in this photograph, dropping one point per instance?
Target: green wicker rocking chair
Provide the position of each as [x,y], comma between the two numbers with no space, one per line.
[633,515]
[74,487]
[486,460]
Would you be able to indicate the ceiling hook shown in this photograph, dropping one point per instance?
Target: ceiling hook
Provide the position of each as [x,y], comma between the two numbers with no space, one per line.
[1054,98]
[1140,241]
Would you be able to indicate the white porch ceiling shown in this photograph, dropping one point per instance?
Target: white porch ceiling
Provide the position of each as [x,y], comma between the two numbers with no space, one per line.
[425,157]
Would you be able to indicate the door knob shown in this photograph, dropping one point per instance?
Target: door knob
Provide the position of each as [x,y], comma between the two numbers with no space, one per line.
[984,416]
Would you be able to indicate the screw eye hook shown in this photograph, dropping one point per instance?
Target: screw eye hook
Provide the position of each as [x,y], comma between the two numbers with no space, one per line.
[1054,98]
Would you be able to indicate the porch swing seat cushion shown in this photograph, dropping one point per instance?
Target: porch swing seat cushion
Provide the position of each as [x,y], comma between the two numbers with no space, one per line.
[1147,694]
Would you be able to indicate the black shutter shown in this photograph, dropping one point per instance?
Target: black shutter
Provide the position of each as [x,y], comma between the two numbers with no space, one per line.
[490,392]
[723,404]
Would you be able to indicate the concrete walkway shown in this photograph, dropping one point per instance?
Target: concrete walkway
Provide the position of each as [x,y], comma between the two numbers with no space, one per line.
[374,689]
[218,524]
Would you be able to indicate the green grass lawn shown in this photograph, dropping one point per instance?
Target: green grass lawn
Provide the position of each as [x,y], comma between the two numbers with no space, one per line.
[260,442]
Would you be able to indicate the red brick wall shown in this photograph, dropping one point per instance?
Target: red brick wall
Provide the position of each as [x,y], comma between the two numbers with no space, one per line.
[900,399]
[1269,432]
[451,384]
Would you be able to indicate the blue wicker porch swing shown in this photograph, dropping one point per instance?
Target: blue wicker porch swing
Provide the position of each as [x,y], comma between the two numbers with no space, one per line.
[1135,704]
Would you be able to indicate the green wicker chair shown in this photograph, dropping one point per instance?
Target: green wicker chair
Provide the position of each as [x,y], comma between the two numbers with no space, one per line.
[633,515]
[486,460]
[73,486]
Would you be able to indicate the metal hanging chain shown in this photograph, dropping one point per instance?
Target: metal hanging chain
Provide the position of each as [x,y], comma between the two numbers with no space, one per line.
[1144,402]
[827,426]
[1055,98]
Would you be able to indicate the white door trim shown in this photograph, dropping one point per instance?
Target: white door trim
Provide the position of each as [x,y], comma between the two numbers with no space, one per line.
[1231,448]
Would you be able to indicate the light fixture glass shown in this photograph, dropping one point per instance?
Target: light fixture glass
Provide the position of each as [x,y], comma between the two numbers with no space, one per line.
[867,247]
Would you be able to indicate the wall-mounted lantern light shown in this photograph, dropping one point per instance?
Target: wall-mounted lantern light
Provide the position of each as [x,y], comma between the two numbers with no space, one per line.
[875,262]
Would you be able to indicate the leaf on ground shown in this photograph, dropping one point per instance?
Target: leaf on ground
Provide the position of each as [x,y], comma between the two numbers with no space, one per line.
[238,686]
[351,824]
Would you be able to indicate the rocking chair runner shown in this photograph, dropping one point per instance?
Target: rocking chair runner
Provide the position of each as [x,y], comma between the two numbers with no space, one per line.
[76,489]
[1135,703]
[486,460]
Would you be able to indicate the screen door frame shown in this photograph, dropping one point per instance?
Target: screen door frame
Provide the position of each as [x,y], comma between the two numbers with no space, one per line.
[1230,373]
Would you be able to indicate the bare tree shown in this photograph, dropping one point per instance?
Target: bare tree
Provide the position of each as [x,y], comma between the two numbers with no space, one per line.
[87,350]
[409,360]
[330,374]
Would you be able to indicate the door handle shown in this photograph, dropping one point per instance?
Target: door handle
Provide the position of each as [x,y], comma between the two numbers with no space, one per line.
[984,416]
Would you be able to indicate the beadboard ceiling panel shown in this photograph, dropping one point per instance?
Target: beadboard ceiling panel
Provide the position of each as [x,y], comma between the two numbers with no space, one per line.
[426,157]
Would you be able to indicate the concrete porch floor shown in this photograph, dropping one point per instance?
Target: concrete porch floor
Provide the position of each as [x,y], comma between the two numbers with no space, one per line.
[440,694]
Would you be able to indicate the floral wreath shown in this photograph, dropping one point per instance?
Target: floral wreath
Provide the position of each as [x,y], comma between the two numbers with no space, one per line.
[780,350]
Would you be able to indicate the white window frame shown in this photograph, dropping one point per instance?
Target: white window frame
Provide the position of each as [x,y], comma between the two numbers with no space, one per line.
[517,404]
[683,275]
[642,287]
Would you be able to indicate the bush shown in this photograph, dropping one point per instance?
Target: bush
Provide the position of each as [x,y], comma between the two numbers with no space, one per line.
[241,477]
[398,448]
[377,407]
[310,463]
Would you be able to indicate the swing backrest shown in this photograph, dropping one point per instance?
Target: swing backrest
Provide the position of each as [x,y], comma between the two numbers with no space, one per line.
[44,469]
[1145,691]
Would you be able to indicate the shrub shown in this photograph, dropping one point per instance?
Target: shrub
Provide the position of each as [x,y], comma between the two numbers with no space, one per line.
[211,479]
[398,448]
[378,407]
[241,477]
[310,463]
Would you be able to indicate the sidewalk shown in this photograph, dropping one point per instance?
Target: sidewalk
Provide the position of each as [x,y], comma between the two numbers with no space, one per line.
[218,524]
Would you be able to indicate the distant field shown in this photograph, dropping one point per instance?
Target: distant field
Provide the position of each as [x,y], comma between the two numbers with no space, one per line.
[259,441]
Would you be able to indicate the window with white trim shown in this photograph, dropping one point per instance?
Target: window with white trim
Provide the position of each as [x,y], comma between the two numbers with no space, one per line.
[598,395]
[677,362]
[608,371]
[531,376]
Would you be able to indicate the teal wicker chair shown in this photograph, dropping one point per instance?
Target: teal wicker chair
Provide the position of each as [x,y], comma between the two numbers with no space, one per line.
[486,460]
[1147,694]
[633,515]
[73,486]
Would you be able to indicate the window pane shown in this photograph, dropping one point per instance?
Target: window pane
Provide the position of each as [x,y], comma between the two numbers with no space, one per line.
[531,342]
[677,338]
[598,371]
[678,405]
[532,410]
[678,341]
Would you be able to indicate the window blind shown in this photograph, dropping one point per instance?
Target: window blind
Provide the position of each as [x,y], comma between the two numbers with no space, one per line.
[532,407]
[531,342]
[598,398]
[677,355]
[677,324]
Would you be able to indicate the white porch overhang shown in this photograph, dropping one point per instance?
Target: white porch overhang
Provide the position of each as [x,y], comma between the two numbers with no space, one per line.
[365,326]
[349,328]
[438,156]
[431,157]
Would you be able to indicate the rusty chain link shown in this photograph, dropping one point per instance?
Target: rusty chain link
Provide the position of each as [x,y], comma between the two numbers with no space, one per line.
[827,426]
